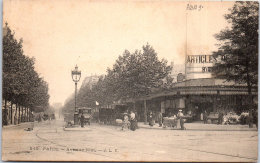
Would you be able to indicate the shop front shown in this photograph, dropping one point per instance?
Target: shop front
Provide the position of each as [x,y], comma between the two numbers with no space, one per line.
[195,97]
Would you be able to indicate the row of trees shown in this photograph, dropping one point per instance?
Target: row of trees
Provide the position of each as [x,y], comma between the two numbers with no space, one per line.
[238,45]
[22,85]
[237,56]
[132,75]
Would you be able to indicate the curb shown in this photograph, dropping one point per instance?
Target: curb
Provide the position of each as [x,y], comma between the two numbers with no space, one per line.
[76,129]
[253,129]
[18,125]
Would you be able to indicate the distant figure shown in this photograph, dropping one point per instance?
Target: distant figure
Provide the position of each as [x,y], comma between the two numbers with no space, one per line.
[180,116]
[160,118]
[150,119]
[220,117]
[132,121]
[82,119]
[201,116]
[39,118]
[189,112]
[126,123]
[205,117]
[15,119]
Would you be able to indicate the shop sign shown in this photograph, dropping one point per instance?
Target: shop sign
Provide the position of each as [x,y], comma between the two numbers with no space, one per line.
[197,59]
[199,63]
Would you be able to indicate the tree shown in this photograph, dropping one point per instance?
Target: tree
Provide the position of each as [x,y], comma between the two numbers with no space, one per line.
[136,74]
[21,83]
[104,90]
[237,56]
[13,60]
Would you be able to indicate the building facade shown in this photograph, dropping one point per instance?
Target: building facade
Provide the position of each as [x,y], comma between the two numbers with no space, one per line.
[196,96]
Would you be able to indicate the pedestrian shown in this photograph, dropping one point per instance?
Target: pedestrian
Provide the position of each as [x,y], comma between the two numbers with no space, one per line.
[151,119]
[39,118]
[180,116]
[255,117]
[160,119]
[126,123]
[132,121]
[82,119]
[220,117]
[205,117]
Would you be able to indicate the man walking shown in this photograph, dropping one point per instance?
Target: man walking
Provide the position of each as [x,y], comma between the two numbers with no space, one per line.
[180,116]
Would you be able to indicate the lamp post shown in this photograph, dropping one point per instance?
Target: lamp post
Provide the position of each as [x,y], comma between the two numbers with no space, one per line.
[76,74]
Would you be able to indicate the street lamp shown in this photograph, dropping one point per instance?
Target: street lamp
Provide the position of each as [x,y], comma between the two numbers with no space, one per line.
[76,74]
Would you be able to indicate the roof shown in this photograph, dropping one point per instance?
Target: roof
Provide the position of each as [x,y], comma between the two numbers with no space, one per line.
[206,86]
[207,82]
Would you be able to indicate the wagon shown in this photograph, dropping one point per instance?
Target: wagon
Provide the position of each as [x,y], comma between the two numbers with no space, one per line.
[86,113]
[169,122]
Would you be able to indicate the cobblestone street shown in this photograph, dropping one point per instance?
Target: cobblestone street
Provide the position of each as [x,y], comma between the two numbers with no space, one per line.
[48,141]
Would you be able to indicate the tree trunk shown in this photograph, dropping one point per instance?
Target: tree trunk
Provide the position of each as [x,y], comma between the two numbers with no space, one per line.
[22,115]
[5,114]
[250,98]
[11,112]
[19,116]
[9,115]
[145,112]
[250,110]
[25,114]
[15,115]
[249,89]
[28,114]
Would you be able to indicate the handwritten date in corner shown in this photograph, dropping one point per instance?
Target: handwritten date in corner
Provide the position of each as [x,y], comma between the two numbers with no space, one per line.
[194,7]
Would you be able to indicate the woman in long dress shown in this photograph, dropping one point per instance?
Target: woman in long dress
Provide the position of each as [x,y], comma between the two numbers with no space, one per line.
[151,119]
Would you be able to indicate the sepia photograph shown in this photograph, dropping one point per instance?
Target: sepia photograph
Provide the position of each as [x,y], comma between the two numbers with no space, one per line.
[134,80]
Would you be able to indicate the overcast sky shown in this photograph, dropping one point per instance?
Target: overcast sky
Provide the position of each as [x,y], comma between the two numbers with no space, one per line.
[92,34]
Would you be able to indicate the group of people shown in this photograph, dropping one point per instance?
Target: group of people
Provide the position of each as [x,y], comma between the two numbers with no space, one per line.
[204,117]
[130,121]
[179,118]
[151,118]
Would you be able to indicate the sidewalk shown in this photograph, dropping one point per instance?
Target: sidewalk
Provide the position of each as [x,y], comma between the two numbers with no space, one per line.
[197,126]
[24,125]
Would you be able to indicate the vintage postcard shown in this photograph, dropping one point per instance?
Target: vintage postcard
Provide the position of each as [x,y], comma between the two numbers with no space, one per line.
[96,80]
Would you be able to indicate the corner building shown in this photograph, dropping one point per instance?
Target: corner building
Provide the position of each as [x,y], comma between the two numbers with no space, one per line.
[196,95]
